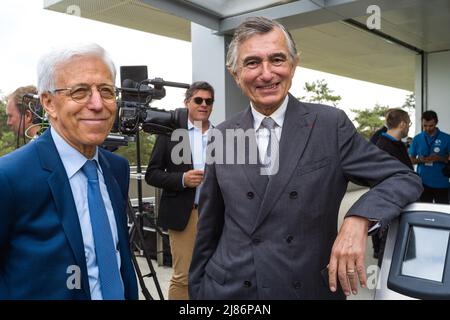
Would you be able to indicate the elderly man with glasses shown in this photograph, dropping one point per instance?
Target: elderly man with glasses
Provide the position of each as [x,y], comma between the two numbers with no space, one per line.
[181,183]
[64,233]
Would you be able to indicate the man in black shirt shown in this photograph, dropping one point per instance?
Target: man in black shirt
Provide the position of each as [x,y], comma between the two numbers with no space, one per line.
[397,123]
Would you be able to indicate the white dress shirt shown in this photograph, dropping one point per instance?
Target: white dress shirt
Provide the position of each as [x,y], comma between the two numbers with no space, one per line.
[262,133]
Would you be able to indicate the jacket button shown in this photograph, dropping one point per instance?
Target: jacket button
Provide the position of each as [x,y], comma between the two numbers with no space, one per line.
[250,195]
[256,241]
[247,284]
[293,195]
[296,284]
[289,239]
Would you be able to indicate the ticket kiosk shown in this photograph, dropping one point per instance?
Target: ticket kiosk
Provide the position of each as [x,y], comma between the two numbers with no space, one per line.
[416,261]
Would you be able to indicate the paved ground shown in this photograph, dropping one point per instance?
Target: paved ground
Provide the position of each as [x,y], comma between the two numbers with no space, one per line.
[163,273]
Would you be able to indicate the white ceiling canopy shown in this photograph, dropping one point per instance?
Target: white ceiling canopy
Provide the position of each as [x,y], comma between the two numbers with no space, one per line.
[326,31]
[228,8]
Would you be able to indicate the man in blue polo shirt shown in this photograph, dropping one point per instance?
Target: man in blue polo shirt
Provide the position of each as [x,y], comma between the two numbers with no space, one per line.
[430,150]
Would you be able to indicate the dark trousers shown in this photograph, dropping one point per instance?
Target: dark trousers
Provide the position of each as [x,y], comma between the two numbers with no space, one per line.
[434,195]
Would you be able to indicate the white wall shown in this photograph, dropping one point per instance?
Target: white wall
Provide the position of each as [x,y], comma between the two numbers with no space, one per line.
[208,64]
[438,93]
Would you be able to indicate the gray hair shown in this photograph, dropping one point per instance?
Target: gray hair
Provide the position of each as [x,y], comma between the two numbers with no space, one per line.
[250,27]
[50,61]
[199,85]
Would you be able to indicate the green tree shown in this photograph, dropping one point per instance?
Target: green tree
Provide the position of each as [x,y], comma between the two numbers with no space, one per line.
[147,142]
[318,92]
[369,120]
[7,137]
[410,102]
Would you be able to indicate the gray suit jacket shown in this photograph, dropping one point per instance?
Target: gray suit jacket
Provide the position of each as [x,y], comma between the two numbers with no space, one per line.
[272,239]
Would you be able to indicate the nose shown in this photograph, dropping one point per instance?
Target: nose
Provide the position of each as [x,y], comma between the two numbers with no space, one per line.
[95,101]
[266,71]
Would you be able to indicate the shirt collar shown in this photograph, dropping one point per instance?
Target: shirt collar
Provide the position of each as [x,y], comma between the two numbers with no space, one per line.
[277,116]
[191,126]
[388,136]
[436,133]
[71,158]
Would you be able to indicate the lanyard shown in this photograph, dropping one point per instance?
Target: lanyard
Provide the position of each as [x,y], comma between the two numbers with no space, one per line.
[433,139]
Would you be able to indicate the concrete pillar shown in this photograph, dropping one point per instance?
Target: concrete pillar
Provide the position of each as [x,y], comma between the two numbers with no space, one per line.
[208,64]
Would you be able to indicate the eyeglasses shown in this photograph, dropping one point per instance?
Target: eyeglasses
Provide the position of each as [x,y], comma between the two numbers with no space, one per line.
[82,93]
[199,101]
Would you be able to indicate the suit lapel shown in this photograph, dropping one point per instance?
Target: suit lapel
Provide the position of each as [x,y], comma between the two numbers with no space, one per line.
[251,171]
[65,205]
[297,127]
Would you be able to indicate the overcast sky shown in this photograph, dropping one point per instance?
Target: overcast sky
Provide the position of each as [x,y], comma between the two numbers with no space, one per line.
[27,31]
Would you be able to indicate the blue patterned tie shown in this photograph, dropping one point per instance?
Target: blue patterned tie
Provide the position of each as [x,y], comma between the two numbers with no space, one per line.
[110,281]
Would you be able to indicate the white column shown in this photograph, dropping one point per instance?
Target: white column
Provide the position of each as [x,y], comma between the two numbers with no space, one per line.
[208,64]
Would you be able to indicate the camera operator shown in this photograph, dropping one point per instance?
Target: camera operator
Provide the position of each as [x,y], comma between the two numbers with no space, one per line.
[20,118]
[181,184]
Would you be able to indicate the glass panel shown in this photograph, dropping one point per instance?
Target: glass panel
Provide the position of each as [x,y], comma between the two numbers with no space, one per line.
[425,254]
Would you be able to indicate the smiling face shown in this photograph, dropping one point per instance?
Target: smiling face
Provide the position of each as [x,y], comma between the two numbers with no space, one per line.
[83,125]
[265,70]
[199,112]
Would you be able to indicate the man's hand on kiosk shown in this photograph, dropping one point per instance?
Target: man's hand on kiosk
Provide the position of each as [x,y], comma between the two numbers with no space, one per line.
[347,255]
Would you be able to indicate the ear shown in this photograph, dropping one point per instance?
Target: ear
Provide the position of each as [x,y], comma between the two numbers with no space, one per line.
[234,75]
[295,63]
[28,116]
[404,124]
[48,102]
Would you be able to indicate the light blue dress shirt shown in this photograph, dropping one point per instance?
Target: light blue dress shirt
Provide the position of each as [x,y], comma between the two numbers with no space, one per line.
[198,142]
[73,160]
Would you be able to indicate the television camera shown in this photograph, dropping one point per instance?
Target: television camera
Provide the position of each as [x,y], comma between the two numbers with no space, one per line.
[134,112]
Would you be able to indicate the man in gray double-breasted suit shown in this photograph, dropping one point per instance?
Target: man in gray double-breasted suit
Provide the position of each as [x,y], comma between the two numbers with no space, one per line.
[275,236]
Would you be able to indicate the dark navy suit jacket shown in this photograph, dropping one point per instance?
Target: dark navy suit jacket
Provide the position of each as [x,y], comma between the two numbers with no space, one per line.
[40,234]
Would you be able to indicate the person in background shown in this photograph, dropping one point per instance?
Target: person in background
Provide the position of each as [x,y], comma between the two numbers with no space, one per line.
[397,123]
[408,142]
[19,116]
[430,150]
[181,184]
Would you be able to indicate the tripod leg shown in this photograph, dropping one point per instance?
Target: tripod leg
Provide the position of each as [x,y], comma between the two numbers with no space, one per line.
[136,230]
[140,277]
